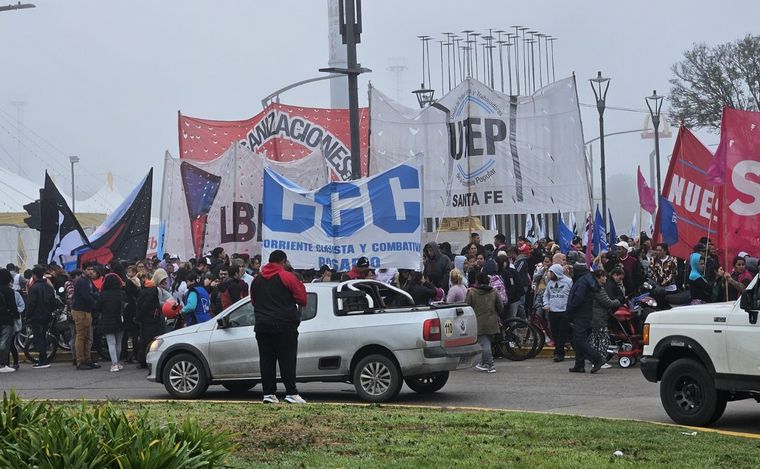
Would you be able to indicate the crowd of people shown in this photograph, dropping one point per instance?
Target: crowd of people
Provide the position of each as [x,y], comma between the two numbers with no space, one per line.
[133,302]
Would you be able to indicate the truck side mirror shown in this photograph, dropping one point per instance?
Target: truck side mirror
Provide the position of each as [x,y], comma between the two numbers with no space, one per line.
[749,303]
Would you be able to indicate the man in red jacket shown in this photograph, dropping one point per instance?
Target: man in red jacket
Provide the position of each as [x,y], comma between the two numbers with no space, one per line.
[275,296]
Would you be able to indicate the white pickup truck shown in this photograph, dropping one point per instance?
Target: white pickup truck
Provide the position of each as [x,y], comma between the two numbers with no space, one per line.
[704,356]
[361,331]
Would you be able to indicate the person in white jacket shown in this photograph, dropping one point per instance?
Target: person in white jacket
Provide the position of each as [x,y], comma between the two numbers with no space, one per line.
[555,303]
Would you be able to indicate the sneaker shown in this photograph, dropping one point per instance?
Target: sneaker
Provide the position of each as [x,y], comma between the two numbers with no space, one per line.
[577,370]
[270,399]
[41,365]
[115,368]
[606,365]
[94,364]
[558,358]
[7,369]
[85,366]
[481,367]
[121,367]
[597,365]
[294,399]
[492,369]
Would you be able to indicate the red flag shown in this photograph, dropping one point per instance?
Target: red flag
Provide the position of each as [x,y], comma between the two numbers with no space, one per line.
[740,140]
[282,133]
[694,198]
[646,195]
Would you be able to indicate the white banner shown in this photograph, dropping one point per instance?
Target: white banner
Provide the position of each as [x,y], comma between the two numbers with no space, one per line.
[217,203]
[377,217]
[499,154]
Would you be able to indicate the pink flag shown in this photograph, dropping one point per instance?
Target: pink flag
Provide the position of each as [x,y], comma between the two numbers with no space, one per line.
[740,145]
[589,240]
[716,173]
[646,195]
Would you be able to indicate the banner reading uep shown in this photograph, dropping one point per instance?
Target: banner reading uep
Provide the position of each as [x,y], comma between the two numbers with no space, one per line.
[378,218]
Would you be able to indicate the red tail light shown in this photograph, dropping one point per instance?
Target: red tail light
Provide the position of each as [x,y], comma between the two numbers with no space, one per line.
[431,329]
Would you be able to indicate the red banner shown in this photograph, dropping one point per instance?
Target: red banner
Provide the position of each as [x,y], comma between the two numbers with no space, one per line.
[694,198]
[282,133]
[740,149]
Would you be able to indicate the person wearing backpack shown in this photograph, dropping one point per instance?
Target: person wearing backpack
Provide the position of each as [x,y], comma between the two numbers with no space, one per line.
[197,303]
[555,299]
[486,303]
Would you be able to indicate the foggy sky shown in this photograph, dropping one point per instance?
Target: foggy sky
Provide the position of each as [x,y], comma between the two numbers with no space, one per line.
[104,79]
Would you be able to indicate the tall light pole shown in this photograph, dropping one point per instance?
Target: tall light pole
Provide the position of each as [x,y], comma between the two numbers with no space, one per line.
[350,27]
[654,103]
[73,159]
[600,85]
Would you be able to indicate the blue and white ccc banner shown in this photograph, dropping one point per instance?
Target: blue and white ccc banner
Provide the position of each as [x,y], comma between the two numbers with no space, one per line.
[377,217]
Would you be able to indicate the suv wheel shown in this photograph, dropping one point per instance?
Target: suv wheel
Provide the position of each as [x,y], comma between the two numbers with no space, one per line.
[688,394]
[377,378]
[184,377]
[427,384]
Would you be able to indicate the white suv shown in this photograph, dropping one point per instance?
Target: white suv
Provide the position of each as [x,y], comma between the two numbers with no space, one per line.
[704,356]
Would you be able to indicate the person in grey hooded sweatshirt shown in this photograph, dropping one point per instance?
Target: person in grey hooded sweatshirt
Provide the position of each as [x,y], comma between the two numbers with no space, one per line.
[436,266]
[555,304]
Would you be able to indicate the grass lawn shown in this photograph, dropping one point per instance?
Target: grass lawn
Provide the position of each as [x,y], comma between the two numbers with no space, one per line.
[318,435]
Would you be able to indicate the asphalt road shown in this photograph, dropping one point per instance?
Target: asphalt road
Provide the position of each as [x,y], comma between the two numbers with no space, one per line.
[533,385]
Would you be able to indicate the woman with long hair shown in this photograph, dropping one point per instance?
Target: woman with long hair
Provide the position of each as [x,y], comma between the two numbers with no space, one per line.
[111,305]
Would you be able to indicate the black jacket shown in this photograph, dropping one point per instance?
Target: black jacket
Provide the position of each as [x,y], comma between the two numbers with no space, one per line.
[580,302]
[41,302]
[422,294]
[85,295]
[110,307]
[8,309]
[149,309]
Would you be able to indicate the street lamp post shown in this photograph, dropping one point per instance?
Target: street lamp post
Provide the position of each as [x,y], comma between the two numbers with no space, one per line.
[654,103]
[73,159]
[600,85]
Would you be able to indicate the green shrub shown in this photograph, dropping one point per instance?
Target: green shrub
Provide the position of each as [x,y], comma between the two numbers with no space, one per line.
[39,434]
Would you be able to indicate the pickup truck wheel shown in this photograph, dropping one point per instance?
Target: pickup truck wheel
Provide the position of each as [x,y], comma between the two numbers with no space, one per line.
[239,386]
[377,378]
[184,377]
[688,393]
[427,384]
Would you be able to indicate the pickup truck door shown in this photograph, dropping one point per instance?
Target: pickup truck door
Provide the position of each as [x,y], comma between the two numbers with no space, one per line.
[233,352]
[318,345]
[743,343]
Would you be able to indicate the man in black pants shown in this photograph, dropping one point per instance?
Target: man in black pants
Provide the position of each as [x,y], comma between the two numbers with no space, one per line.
[580,305]
[275,296]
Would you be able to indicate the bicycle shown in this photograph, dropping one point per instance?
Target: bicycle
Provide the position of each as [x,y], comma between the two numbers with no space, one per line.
[516,339]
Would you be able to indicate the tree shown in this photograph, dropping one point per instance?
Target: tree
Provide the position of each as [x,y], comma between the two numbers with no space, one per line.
[710,77]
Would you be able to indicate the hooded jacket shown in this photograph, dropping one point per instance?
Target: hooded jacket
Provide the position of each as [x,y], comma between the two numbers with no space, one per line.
[580,303]
[557,291]
[275,296]
[487,305]
[437,267]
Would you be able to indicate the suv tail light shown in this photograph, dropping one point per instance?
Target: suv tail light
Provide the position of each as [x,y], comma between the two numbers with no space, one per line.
[645,334]
[431,329]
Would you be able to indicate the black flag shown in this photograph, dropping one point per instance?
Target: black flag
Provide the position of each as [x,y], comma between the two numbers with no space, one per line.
[60,232]
[124,234]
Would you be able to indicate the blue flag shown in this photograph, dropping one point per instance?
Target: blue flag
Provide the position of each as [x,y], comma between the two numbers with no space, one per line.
[613,235]
[600,236]
[668,225]
[565,236]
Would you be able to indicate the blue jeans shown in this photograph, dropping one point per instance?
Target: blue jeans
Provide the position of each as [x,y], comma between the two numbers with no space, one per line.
[485,343]
[6,335]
